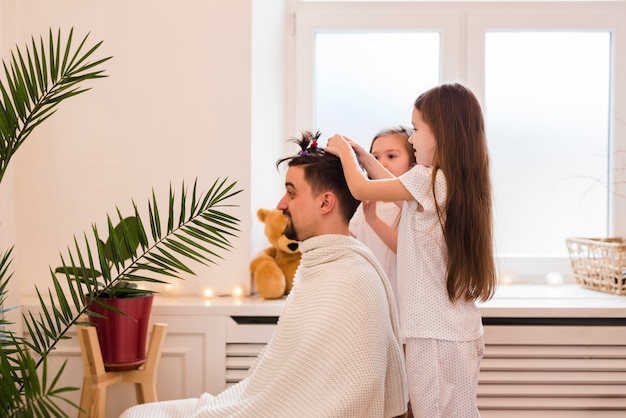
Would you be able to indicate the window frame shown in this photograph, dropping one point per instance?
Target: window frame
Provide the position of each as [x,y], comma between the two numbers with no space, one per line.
[463,26]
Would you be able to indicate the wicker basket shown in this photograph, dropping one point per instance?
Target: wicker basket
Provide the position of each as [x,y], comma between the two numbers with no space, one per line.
[599,263]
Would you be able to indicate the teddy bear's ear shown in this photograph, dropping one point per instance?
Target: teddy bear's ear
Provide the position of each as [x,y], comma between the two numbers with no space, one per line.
[262,214]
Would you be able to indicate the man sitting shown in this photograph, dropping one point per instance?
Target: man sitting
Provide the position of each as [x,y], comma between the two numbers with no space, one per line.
[336,350]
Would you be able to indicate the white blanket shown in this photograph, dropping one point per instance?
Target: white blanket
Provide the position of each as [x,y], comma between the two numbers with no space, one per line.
[335,352]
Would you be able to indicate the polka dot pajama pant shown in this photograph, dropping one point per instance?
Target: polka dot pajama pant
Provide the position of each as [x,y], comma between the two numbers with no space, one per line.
[443,377]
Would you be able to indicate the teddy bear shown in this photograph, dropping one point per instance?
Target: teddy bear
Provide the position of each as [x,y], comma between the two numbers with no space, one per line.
[273,269]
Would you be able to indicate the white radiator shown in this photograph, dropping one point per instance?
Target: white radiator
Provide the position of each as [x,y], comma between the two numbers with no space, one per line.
[553,371]
[245,338]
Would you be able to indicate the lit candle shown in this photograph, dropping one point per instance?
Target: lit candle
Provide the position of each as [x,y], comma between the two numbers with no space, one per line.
[168,289]
[208,293]
[237,292]
[554,278]
[505,279]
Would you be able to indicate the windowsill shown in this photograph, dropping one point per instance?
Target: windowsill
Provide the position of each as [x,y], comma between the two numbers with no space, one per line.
[515,300]
[546,301]
[510,301]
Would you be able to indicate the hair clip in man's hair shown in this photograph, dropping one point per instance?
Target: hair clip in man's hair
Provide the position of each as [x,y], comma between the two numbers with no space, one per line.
[308,143]
[308,148]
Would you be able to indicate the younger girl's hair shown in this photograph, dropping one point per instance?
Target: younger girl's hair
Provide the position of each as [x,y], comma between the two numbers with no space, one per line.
[398,130]
[454,115]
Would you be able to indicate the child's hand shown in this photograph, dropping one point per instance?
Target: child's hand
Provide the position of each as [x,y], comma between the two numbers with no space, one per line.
[369,209]
[359,150]
[338,145]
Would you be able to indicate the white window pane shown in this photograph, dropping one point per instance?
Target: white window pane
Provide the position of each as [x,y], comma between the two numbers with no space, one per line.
[547,113]
[367,81]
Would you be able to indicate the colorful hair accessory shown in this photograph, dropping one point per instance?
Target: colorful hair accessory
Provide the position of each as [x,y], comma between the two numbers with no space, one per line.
[308,143]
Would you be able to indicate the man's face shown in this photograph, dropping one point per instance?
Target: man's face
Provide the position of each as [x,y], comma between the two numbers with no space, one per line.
[298,205]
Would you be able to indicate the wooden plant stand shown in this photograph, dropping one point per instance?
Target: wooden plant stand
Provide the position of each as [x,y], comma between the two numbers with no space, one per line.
[97,378]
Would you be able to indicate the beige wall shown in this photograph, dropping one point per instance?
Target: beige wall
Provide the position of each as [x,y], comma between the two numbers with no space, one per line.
[176,106]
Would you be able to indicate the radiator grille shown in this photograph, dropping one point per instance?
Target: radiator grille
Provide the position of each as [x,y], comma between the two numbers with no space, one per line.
[543,371]
[573,371]
[245,339]
[239,358]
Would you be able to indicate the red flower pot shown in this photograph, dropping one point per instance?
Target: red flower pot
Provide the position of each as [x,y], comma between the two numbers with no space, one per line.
[123,338]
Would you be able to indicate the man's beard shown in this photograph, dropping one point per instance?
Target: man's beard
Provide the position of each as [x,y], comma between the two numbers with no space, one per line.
[290,231]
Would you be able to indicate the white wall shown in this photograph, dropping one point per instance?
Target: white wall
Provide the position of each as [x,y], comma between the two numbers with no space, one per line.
[176,106]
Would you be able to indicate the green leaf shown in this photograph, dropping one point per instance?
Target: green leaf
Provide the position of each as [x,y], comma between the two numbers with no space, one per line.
[123,240]
[35,85]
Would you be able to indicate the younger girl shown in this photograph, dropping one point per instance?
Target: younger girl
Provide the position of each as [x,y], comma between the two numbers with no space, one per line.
[445,249]
[376,223]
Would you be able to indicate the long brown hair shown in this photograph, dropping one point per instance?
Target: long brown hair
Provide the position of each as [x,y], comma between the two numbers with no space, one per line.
[455,117]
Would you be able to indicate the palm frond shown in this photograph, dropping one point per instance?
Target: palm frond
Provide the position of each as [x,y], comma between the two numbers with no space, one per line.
[24,388]
[26,393]
[5,275]
[199,235]
[38,79]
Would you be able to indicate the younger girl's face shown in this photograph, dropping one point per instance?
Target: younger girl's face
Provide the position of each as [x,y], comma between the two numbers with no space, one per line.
[423,140]
[392,153]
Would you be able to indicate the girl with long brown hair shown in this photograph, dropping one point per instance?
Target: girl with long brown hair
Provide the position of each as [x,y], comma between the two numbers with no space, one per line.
[445,248]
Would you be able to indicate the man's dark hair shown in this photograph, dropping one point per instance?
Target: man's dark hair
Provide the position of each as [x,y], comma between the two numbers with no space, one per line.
[323,171]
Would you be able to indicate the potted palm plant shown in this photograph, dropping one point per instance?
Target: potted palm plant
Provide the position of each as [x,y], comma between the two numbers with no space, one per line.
[195,228]
[118,308]
[121,312]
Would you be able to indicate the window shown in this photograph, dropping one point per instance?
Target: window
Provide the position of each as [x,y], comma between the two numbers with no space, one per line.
[545,75]
[365,81]
[547,113]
